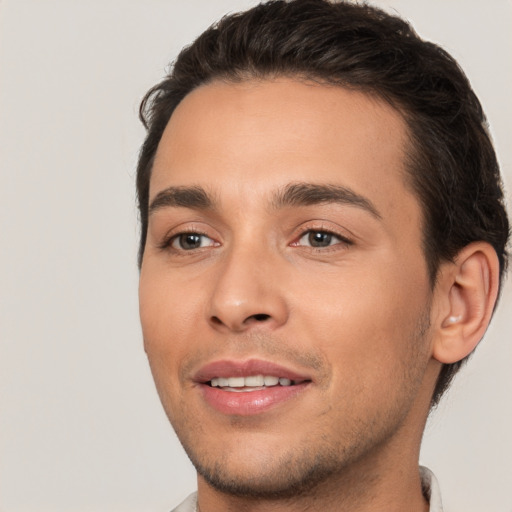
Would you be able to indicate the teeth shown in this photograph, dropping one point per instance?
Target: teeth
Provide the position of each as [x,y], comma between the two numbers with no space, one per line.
[256,381]
[271,381]
[236,382]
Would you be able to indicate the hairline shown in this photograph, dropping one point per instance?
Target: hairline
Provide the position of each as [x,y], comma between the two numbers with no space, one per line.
[411,150]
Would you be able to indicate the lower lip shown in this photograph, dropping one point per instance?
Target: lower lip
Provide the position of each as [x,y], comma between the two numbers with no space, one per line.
[249,403]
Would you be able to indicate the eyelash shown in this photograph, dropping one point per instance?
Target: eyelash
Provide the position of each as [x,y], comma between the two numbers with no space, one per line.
[342,240]
[168,242]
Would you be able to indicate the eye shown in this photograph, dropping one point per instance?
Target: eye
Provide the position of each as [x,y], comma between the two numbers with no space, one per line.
[190,241]
[319,239]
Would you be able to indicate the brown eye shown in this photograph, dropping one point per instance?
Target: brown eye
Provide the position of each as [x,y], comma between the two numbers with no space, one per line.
[191,241]
[319,239]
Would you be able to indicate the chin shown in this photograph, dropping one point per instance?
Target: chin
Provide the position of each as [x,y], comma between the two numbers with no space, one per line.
[269,466]
[282,478]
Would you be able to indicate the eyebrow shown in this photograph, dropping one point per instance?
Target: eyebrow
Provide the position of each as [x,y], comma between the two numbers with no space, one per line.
[292,195]
[306,194]
[182,197]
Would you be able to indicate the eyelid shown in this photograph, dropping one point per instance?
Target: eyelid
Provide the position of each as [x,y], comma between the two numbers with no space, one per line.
[184,229]
[333,238]
[344,238]
[177,237]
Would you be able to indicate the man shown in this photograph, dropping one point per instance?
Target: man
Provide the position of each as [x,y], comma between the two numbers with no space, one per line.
[323,241]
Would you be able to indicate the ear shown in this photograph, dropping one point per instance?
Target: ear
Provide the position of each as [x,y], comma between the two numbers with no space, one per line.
[469,289]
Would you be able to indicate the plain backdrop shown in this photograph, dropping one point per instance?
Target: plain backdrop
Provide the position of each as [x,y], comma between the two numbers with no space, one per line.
[81,428]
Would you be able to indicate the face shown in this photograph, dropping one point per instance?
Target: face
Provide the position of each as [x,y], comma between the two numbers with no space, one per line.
[284,295]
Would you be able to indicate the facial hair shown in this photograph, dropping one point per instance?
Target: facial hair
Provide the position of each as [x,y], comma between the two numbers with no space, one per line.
[301,469]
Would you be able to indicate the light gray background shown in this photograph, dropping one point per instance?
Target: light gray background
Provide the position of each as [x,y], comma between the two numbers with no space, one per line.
[81,428]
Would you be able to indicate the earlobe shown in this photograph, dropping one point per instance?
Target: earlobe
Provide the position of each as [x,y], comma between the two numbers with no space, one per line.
[452,319]
[471,292]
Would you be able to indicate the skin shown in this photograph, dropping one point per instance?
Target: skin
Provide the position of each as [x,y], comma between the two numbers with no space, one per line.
[359,315]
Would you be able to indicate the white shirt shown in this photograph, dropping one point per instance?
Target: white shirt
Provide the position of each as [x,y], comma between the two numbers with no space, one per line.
[428,482]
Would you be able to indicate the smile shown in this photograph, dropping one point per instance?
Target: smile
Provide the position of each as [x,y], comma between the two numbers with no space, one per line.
[251,383]
[246,388]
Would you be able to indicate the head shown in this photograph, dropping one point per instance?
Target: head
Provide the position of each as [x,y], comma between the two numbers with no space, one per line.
[452,166]
[447,160]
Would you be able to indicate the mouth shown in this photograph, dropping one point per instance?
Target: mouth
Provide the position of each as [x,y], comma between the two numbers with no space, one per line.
[249,387]
[251,383]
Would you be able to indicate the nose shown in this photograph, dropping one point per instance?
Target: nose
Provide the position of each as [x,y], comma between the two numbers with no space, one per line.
[247,293]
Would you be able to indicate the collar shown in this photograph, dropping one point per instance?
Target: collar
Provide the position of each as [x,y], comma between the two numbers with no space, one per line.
[431,489]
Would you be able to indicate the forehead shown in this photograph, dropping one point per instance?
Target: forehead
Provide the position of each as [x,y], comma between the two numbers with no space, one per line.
[256,135]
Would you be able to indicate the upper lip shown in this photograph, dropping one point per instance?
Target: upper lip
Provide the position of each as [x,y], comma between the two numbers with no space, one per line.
[232,368]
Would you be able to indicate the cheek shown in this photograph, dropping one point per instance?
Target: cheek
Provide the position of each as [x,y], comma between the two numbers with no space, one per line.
[167,308]
[368,324]
[163,317]
[160,309]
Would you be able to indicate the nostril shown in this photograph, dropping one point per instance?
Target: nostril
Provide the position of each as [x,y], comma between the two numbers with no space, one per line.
[251,319]
[261,317]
